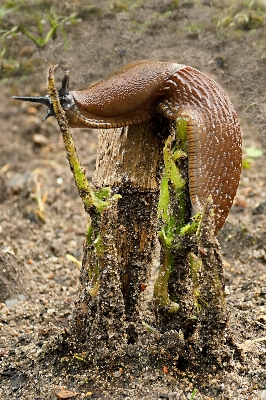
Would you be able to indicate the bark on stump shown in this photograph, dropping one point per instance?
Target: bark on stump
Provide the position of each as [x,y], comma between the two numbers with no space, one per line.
[129,161]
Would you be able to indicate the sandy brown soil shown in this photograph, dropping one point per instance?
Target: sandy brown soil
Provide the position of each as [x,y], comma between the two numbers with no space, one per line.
[38,284]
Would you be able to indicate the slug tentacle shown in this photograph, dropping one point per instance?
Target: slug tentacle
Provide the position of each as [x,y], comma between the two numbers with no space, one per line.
[133,94]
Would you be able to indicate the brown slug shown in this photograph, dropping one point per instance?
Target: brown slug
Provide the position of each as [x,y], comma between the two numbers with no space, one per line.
[136,92]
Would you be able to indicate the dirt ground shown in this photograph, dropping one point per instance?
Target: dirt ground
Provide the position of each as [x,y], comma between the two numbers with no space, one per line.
[42,218]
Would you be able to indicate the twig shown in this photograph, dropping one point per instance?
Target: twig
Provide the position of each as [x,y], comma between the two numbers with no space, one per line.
[87,195]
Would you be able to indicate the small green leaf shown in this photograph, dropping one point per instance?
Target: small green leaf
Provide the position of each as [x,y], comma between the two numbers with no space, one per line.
[193,394]
[253,152]
[79,357]
[246,163]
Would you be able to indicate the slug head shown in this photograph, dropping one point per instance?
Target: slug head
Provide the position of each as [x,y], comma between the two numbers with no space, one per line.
[65,97]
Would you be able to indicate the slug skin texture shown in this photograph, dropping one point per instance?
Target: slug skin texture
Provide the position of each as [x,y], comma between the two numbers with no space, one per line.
[133,94]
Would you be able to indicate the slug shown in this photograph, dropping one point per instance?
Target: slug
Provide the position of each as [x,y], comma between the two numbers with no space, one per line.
[136,92]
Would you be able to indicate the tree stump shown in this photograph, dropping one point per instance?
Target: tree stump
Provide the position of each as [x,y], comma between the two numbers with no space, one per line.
[129,161]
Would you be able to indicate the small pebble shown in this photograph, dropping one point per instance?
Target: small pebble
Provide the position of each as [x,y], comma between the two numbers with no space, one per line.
[261,394]
[39,139]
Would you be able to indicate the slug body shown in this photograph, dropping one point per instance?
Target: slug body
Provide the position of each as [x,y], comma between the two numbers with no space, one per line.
[138,91]
[133,94]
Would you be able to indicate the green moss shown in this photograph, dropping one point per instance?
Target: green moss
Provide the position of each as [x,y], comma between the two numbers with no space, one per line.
[173,181]
[161,285]
[192,227]
[89,234]
[195,267]
[172,198]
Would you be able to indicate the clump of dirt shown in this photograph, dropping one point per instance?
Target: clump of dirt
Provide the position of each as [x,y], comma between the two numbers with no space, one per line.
[11,278]
[42,218]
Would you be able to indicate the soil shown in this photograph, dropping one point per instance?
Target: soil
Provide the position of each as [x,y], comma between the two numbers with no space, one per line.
[42,219]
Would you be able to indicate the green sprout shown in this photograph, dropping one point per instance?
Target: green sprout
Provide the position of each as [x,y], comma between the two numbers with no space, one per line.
[193,394]
[251,152]
[55,22]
